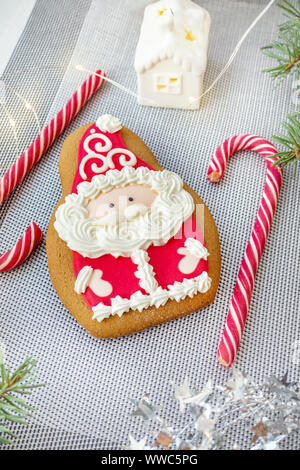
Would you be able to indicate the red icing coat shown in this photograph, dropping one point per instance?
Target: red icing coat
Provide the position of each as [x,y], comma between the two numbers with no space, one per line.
[119,272]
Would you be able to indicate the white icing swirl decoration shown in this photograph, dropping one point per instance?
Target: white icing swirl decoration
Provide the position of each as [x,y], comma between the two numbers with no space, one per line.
[126,157]
[98,146]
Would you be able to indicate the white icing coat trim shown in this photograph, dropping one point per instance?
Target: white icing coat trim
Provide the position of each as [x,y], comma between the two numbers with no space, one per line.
[145,271]
[83,279]
[108,123]
[159,297]
[101,312]
[82,233]
[119,305]
[138,301]
[196,248]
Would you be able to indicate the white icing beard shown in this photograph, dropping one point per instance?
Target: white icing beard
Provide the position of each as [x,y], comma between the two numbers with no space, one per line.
[83,234]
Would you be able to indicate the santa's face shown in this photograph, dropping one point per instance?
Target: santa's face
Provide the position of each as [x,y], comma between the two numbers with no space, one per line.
[123,211]
[121,204]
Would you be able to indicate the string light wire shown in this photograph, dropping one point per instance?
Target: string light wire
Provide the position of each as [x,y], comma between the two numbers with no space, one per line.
[113,82]
[12,123]
[27,105]
[235,52]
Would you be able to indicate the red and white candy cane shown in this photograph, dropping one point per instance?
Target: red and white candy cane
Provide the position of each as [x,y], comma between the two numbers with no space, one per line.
[244,286]
[22,249]
[32,155]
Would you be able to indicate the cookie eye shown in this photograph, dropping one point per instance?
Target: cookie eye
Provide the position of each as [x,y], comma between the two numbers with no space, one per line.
[111,204]
[130,199]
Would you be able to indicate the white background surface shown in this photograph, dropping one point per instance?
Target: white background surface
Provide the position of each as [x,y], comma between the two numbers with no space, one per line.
[13,18]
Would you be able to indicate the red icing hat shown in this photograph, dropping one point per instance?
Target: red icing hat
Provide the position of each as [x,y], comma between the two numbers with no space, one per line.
[102,149]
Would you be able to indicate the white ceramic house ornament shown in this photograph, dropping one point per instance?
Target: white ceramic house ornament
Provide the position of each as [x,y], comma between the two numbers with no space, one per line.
[171,54]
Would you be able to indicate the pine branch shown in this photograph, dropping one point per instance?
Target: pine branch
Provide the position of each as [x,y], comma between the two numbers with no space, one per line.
[286,49]
[286,52]
[291,141]
[13,386]
[291,12]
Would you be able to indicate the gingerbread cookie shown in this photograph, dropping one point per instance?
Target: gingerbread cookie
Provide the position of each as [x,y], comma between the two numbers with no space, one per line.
[129,245]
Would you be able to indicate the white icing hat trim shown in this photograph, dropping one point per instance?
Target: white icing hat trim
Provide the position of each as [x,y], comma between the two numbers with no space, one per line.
[138,301]
[108,123]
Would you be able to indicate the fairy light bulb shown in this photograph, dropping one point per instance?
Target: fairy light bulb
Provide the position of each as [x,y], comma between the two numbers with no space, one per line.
[28,106]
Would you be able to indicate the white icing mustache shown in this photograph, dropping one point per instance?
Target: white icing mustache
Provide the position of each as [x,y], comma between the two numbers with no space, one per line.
[115,217]
[112,218]
[134,211]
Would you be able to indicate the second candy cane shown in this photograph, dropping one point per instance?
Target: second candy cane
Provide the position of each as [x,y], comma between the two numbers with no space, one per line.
[31,156]
[48,135]
[244,286]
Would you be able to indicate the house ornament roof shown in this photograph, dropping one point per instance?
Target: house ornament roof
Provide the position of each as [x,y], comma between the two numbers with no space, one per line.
[177,30]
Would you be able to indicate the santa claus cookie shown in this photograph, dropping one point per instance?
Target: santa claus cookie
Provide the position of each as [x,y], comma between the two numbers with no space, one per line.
[129,244]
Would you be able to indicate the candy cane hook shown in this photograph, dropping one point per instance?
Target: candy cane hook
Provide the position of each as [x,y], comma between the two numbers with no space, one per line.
[244,286]
[31,156]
